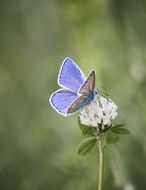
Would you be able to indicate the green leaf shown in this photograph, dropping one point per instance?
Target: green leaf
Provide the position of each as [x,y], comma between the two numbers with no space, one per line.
[118,126]
[112,138]
[86,130]
[120,130]
[86,145]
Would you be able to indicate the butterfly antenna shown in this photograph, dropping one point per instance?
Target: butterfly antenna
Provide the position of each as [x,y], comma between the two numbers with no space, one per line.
[104,93]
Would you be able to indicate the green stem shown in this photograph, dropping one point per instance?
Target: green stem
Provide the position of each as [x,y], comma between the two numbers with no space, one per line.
[101,164]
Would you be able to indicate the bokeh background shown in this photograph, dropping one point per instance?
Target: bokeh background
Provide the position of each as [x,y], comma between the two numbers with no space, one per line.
[38,147]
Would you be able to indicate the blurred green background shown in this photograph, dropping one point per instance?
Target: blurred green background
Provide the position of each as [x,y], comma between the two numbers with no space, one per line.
[38,146]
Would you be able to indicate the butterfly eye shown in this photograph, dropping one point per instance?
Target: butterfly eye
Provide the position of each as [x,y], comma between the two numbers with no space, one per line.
[96,91]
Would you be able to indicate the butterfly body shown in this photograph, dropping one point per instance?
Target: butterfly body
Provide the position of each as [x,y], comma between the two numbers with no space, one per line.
[76,90]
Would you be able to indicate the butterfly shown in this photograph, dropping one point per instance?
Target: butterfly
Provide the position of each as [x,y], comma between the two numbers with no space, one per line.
[76,90]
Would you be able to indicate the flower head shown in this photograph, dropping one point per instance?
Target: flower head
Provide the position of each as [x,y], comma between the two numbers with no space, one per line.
[100,112]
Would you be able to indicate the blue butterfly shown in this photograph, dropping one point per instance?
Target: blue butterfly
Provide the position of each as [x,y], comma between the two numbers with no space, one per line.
[76,90]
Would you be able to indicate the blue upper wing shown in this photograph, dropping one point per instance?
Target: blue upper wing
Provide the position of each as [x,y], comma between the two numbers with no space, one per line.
[70,75]
[61,100]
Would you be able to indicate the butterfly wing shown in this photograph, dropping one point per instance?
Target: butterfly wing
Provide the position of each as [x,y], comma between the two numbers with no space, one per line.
[86,92]
[79,103]
[70,75]
[61,100]
[89,85]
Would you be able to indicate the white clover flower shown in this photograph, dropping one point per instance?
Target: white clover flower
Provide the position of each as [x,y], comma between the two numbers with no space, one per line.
[100,112]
